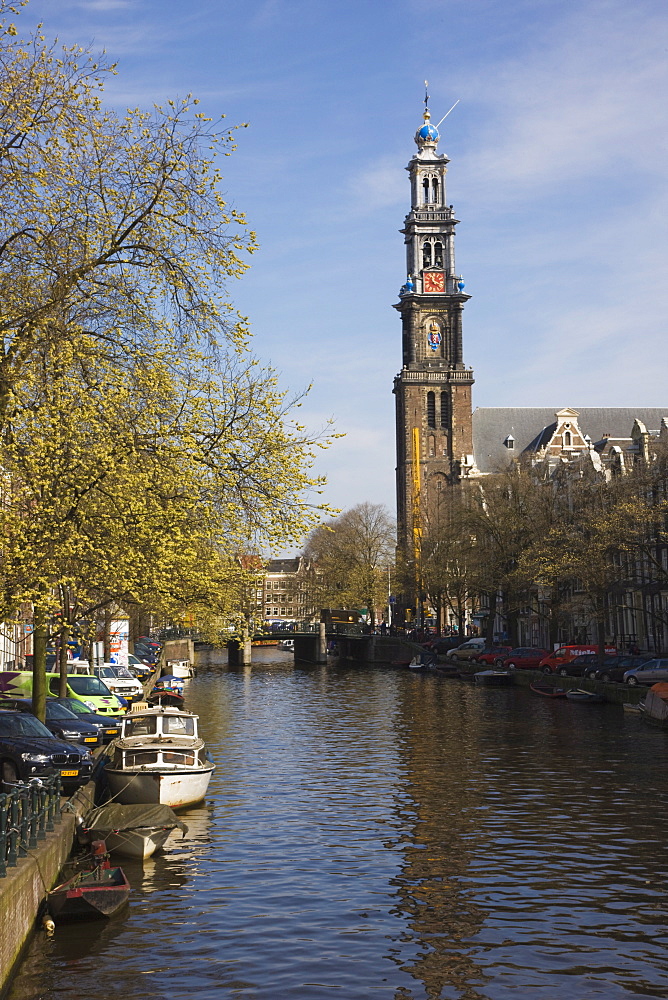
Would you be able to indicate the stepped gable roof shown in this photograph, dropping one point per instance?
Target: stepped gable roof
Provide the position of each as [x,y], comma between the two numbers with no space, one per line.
[531,428]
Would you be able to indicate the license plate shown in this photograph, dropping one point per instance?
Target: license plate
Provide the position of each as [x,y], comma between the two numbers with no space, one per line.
[69,774]
[110,732]
[90,739]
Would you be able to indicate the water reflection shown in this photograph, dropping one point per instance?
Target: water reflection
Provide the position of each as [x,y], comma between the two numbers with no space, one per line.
[390,835]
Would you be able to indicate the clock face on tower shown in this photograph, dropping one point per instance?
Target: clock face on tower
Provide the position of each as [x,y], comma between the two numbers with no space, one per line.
[433,281]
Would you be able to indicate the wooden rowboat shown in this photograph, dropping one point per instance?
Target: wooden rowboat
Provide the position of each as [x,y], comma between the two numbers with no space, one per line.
[548,691]
[96,893]
[585,697]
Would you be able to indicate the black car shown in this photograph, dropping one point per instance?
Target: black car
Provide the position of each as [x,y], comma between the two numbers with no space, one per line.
[146,653]
[61,721]
[108,728]
[28,750]
[579,666]
[614,667]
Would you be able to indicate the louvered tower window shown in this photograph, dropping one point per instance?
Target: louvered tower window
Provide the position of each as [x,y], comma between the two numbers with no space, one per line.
[431,409]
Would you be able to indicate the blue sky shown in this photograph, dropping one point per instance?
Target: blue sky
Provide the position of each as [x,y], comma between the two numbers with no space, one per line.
[557,173]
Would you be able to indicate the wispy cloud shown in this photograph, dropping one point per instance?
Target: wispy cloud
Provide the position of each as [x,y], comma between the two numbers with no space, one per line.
[591,95]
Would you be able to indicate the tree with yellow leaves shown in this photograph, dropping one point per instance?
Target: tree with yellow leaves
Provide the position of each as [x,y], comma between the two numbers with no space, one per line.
[142,445]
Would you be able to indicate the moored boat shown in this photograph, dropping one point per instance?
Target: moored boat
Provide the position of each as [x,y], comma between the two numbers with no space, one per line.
[160,759]
[134,831]
[585,697]
[161,697]
[494,678]
[547,690]
[180,668]
[167,690]
[655,706]
[97,892]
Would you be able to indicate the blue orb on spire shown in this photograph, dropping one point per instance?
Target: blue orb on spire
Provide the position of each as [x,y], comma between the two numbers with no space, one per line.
[428,133]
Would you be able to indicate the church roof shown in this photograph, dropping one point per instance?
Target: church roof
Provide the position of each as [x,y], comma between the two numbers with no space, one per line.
[531,427]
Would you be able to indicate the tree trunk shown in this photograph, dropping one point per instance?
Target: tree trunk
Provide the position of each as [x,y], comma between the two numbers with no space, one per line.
[491,618]
[600,636]
[39,637]
[107,634]
[62,661]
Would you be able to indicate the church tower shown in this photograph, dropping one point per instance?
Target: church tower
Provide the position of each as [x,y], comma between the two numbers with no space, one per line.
[433,389]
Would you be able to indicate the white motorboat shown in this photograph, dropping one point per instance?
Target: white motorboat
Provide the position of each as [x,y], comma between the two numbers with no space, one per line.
[135,831]
[180,668]
[159,758]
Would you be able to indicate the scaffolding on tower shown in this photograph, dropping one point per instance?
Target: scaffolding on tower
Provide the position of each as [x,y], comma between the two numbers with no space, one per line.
[417,525]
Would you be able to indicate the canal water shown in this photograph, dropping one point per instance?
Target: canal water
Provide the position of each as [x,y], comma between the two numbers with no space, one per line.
[382,834]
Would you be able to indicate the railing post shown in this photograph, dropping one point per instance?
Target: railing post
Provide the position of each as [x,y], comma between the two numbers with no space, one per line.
[24,796]
[43,793]
[3,834]
[12,853]
[34,814]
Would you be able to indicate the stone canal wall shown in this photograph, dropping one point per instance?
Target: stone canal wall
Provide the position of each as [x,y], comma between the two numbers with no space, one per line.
[24,887]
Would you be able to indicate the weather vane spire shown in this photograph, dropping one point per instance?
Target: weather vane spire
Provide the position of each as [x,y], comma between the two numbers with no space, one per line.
[426,100]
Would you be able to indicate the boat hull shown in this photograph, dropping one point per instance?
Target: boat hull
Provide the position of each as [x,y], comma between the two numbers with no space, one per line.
[136,843]
[494,678]
[95,897]
[177,788]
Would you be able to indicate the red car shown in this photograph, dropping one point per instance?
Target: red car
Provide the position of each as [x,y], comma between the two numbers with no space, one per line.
[490,654]
[522,658]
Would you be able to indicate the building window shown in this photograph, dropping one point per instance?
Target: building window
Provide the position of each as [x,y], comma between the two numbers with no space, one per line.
[438,254]
[510,442]
[431,409]
[567,439]
[432,446]
[434,188]
[445,410]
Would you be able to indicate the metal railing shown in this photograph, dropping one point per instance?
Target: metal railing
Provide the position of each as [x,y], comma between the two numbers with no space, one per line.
[27,814]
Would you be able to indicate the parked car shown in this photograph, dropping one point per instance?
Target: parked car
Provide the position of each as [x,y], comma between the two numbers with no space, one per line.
[90,690]
[614,667]
[649,673]
[147,640]
[522,658]
[442,645]
[108,728]
[146,653]
[466,650]
[490,654]
[60,721]
[28,750]
[119,680]
[137,661]
[579,666]
[566,654]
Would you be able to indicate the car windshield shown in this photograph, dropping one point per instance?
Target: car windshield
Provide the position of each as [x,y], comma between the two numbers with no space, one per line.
[105,672]
[23,725]
[123,672]
[76,707]
[56,711]
[88,685]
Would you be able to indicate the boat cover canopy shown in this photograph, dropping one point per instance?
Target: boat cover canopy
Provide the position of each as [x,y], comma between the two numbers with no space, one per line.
[115,816]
